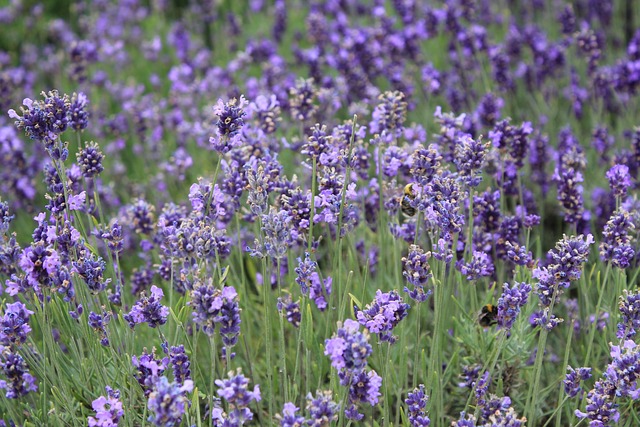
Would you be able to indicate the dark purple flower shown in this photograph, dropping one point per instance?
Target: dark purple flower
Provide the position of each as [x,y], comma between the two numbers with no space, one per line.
[383,314]
[518,254]
[40,263]
[320,290]
[5,218]
[148,310]
[322,409]
[168,402]
[510,303]
[364,387]
[416,402]
[234,390]
[291,310]
[289,417]
[108,410]
[19,381]
[78,113]
[99,324]
[230,122]
[564,267]
[148,369]
[213,307]
[425,162]
[417,271]
[573,378]
[90,160]
[180,364]
[616,245]
[349,348]
[469,158]
[469,375]
[624,370]
[390,113]
[619,180]
[482,388]
[601,410]
[14,324]
[629,305]
[479,266]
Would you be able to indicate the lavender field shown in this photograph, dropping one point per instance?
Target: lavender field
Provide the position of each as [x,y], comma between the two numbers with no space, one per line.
[319,213]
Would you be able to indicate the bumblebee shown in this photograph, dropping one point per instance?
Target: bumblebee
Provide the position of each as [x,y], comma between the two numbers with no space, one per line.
[488,316]
[407,198]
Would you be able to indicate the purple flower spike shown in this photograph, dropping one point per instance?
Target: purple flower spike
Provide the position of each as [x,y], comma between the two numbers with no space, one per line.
[108,410]
[573,379]
[417,272]
[349,348]
[416,404]
[510,303]
[14,325]
[383,314]
[148,310]
[168,402]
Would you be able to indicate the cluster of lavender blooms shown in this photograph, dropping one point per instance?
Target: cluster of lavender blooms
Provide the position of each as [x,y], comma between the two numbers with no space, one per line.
[14,330]
[108,409]
[563,266]
[349,350]
[383,314]
[125,223]
[321,408]
[619,381]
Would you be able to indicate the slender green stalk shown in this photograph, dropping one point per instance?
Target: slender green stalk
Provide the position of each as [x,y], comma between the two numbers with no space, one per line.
[567,352]
[592,331]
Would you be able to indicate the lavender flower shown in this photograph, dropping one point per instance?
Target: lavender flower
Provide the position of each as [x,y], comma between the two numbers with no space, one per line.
[78,114]
[148,310]
[108,410]
[482,388]
[565,266]
[629,305]
[616,244]
[168,402]
[479,266]
[416,402]
[510,303]
[291,310]
[425,162]
[322,409]
[319,290]
[44,120]
[230,122]
[180,364]
[213,306]
[277,235]
[383,314]
[624,370]
[99,322]
[19,381]
[601,410]
[363,388]
[469,159]
[90,160]
[5,218]
[573,378]
[148,369]
[390,113]
[349,348]
[289,417]
[417,271]
[14,325]
[619,180]
[235,391]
